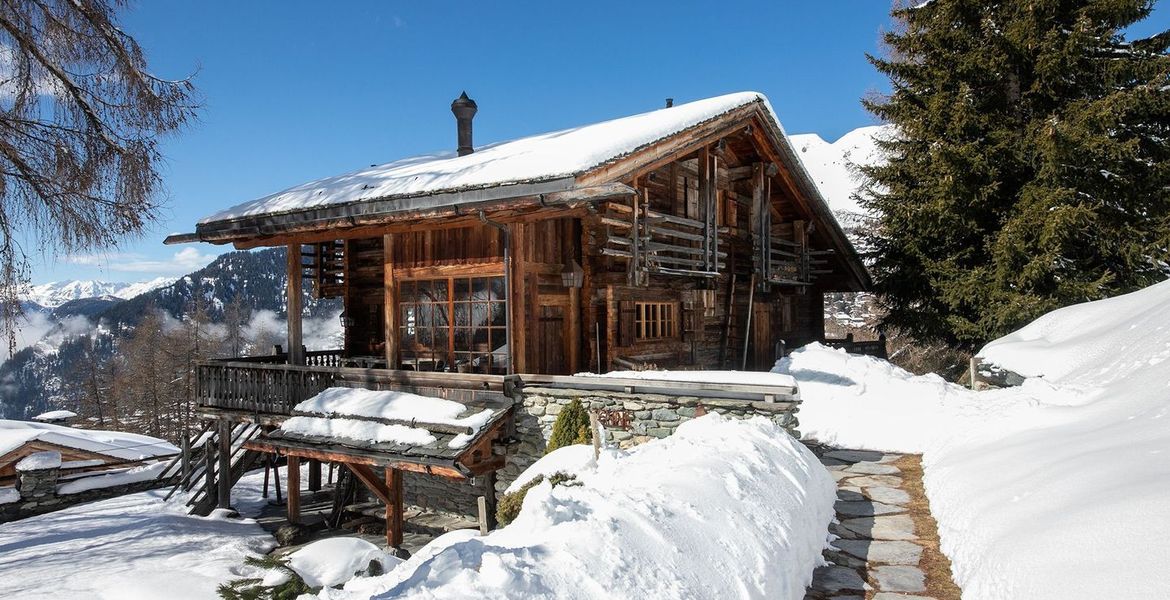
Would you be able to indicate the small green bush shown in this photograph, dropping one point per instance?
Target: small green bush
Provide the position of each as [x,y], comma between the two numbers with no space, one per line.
[250,588]
[571,427]
[510,504]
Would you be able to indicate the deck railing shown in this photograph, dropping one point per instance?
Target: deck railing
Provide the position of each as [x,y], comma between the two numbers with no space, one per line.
[254,386]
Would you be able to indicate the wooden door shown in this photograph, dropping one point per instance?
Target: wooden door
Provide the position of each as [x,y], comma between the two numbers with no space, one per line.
[551,355]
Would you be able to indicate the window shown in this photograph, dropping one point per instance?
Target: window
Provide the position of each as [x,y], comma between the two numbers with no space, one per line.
[454,324]
[654,320]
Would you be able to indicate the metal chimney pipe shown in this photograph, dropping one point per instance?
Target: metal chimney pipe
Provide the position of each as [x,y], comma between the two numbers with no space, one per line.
[464,109]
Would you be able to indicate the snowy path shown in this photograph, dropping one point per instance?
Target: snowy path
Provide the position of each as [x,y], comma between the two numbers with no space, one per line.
[888,542]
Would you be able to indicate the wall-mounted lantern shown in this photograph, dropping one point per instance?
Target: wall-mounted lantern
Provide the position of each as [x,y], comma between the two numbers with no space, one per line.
[573,276]
[346,320]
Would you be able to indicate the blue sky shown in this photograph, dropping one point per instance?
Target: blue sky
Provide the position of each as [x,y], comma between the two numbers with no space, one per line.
[298,90]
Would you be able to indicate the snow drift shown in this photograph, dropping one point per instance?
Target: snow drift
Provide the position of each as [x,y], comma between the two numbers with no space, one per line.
[720,509]
[1053,490]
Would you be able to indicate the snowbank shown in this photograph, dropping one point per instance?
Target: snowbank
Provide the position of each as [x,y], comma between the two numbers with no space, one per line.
[334,561]
[721,508]
[8,495]
[133,547]
[1054,490]
[566,459]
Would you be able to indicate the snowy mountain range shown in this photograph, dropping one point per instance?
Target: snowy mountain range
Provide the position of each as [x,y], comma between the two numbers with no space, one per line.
[833,166]
[56,293]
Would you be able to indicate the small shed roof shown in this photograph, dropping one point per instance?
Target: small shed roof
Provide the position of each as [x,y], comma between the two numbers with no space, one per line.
[117,444]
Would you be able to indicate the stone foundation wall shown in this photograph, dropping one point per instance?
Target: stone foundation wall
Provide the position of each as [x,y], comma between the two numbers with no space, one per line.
[38,494]
[653,416]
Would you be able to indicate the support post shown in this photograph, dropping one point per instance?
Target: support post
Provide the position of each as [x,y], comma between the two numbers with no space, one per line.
[185,443]
[294,489]
[390,306]
[314,475]
[209,469]
[296,351]
[489,498]
[394,513]
[225,464]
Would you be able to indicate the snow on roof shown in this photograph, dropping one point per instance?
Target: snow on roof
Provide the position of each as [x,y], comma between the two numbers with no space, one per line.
[49,459]
[55,415]
[544,157]
[125,446]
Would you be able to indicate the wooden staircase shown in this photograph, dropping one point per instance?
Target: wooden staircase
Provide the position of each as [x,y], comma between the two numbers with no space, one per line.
[198,467]
[323,263]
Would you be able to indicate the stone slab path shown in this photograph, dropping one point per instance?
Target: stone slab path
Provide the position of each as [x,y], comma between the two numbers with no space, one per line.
[887,542]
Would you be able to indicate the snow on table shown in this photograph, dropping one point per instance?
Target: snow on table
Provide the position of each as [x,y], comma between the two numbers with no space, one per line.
[545,157]
[48,459]
[1056,489]
[722,507]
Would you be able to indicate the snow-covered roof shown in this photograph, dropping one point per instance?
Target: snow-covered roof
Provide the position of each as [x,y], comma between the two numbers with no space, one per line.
[540,158]
[55,415]
[125,446]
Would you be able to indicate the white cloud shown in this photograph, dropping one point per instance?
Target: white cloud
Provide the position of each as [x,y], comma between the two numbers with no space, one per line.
[182,262]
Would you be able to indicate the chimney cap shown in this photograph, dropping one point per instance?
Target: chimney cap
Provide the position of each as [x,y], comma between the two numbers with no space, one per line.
[463,101]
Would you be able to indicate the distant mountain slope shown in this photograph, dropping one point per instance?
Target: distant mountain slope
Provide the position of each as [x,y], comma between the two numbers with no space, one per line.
[833,166]
[35,378]
[56,293]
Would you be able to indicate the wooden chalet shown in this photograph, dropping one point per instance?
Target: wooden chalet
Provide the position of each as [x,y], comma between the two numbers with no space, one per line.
[686,237]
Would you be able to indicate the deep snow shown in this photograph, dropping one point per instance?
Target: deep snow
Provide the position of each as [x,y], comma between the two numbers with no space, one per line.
[1058,489]
[741,511]
[133,547]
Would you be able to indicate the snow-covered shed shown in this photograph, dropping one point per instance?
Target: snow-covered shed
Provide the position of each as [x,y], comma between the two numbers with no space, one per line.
[685,236]
[81,450]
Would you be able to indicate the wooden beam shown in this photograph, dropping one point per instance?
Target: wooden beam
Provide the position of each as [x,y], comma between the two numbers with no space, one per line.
[375,484]
[296,354]
[394,508]
[340,457]
[390,306]
[489,495]
[294,489]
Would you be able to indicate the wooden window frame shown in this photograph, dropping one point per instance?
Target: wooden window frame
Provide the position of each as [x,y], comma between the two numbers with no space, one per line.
[656,321]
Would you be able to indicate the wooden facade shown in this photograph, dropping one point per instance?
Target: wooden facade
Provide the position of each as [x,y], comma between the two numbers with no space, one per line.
[702,250]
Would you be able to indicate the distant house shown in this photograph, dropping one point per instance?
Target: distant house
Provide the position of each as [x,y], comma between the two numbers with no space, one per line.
[82,451]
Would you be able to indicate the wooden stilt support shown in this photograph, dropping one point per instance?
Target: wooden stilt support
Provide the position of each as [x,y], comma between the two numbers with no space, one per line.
[314,475]
[209,468]
[394,513]
[225,465]
[294,489]
[276,477]
[267,468]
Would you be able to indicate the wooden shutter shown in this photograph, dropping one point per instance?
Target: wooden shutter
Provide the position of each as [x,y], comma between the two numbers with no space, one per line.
[627,330]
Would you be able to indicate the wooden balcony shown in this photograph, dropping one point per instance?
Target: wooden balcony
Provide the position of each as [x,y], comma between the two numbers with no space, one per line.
[266,386]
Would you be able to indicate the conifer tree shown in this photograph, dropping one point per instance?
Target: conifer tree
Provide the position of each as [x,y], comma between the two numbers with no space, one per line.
[1030,167]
